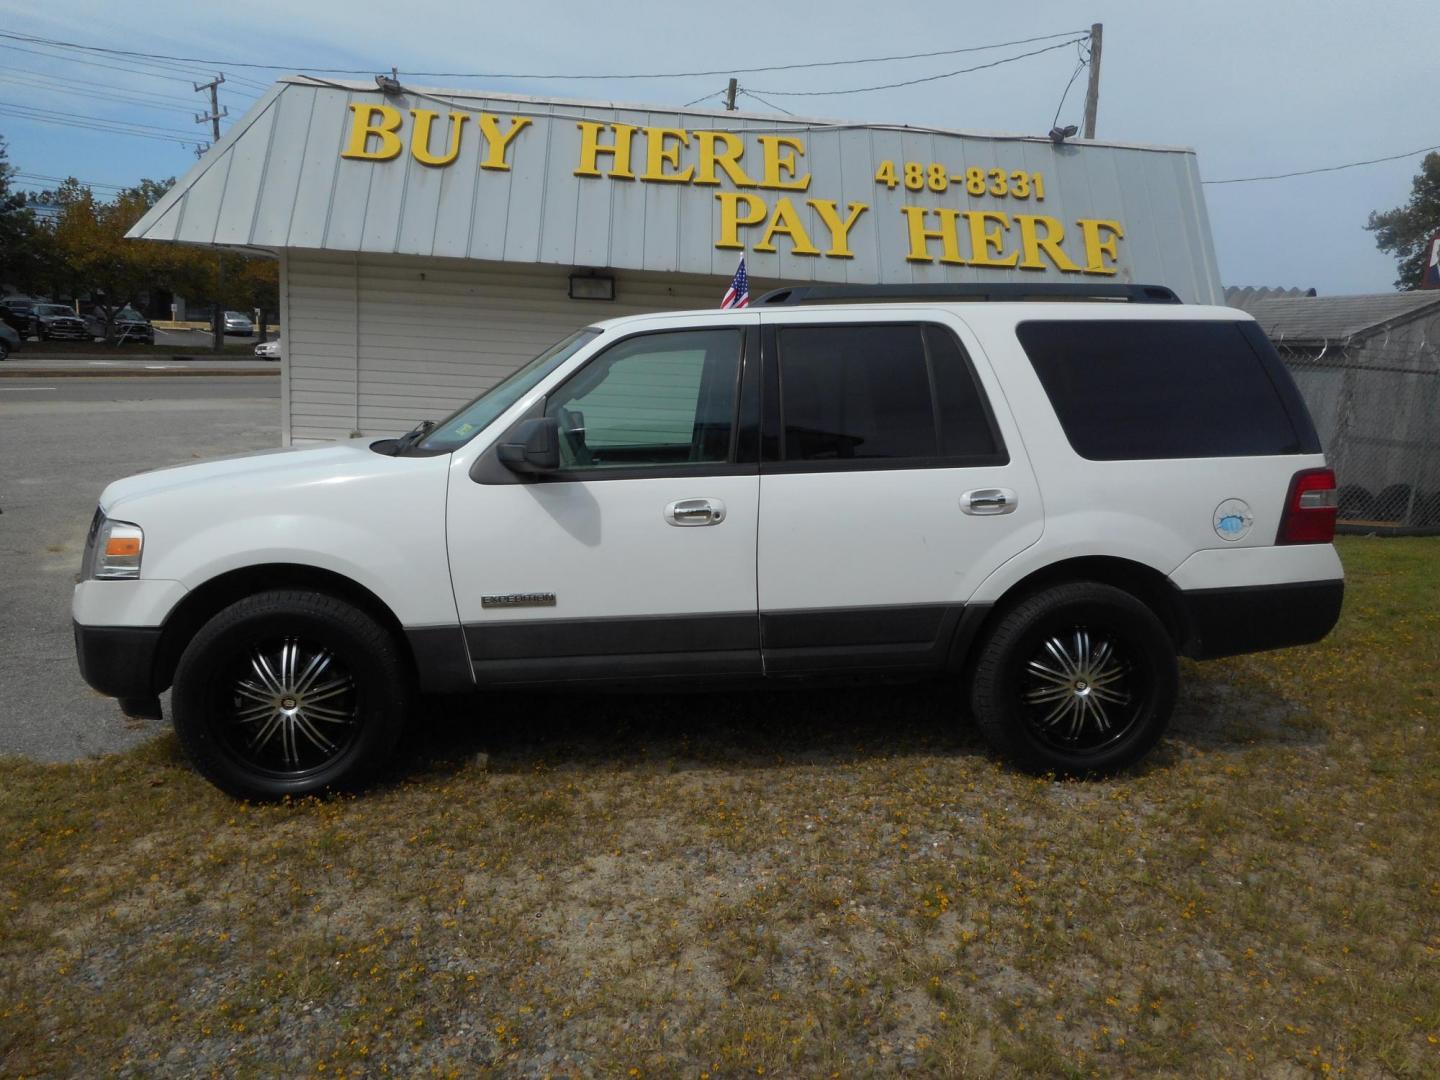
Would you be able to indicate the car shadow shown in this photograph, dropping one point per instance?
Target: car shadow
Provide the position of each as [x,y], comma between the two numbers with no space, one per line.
[517,732]
[726,728]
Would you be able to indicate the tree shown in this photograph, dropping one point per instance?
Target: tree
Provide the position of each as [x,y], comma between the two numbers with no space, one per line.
[1406,230]
[90,245]
[81,250]
[19,257]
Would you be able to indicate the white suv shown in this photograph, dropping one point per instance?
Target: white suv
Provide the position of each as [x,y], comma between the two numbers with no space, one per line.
[1045,500]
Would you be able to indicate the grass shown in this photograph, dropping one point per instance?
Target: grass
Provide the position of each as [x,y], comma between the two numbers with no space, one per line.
[803,884]
[40,349]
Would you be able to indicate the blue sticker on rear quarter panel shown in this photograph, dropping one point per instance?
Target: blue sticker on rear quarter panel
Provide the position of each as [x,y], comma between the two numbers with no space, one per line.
[1233,519]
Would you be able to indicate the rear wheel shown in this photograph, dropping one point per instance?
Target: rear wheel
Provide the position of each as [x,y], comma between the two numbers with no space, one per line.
[4,349]
[290,693]
[1078,679]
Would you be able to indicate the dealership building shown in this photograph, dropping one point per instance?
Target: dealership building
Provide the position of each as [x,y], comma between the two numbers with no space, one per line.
[432,241]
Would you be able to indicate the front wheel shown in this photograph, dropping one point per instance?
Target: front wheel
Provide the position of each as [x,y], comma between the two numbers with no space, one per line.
[1078,679]
[290,693]
[4,349]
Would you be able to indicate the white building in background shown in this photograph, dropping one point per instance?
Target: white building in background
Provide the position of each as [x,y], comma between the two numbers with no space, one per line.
[431,241]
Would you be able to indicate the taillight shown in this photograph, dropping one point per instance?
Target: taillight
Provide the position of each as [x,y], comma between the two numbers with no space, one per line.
[1310,509]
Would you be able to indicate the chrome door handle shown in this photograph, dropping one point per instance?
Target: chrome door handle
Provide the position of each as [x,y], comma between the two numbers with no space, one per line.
[988,501]
[685,512]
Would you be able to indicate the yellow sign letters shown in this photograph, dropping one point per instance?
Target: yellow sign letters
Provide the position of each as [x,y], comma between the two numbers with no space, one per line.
[968,235]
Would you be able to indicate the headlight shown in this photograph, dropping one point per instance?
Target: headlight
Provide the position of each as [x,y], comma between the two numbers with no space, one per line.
[113,549]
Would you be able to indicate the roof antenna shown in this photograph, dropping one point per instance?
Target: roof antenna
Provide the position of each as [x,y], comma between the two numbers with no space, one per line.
[389,84]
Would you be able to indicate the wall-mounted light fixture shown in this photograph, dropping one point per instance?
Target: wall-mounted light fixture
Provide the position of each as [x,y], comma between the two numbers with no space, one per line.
[1058,134]
[591,285]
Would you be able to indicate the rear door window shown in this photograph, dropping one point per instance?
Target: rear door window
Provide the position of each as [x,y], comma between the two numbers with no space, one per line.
[894,395]
[1167,389]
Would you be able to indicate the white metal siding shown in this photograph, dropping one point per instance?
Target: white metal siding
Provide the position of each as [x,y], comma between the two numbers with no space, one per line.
[376,343]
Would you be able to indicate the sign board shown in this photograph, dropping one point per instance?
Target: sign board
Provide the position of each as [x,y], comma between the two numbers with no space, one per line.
[506,179]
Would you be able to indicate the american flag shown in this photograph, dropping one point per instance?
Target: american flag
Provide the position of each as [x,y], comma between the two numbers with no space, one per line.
[738,294]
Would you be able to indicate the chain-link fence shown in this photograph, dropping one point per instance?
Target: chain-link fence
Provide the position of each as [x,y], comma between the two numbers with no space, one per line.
[1376,403]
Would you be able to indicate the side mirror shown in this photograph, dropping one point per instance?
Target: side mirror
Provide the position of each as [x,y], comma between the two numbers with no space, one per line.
[534,447]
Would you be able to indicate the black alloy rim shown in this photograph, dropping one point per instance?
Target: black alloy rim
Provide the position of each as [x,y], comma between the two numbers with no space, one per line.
[287,707]
[1081,690]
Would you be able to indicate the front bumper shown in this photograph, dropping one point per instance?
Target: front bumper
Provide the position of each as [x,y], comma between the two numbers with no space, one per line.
[118,661]
[65,330]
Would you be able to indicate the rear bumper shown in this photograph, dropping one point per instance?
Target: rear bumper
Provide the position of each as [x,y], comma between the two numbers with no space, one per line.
[118,661]
[1252,618]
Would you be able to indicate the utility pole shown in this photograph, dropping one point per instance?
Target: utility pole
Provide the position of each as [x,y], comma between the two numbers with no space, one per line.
[1092,95]
[213,117]
[730,95]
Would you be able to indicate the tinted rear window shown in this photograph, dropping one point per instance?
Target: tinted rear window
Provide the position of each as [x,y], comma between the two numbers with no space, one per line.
[899,392]
[1174,389]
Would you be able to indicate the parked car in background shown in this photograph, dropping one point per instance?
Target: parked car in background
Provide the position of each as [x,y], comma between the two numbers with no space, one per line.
[237,322]
[9,340]
[58,321]
[19,316]
[130,326]
[268,350]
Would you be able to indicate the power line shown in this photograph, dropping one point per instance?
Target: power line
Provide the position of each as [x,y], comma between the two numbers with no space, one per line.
[925,79]
[70,80]
[90,63]
[1073,76]
[111,95]
[1325,169]
[140,69]
[96,119]
[568,76]
[704,97]
[133,71]
[33,178]
[147,64]
[105,128]
[94,123]
[771,104]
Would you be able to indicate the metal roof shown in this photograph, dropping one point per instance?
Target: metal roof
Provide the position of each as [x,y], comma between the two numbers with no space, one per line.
[278,180]
[1244,296]
[1338,318]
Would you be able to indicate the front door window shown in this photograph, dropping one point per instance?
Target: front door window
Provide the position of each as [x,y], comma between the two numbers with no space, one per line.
[652,401]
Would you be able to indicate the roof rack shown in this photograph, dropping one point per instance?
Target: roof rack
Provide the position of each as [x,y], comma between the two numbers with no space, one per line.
[1002,291]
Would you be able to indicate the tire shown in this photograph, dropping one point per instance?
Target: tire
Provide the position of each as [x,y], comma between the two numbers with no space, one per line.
[4,349]
[1079,679]
[240,698]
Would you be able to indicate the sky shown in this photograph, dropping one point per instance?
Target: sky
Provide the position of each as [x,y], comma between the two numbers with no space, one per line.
[1256,87]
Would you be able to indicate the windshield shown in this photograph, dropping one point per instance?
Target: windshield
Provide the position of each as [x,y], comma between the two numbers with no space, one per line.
[53,309]
[462,426]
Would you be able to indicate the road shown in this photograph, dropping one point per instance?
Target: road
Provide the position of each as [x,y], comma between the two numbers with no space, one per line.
[155,390]
[200,339]
[61,442]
